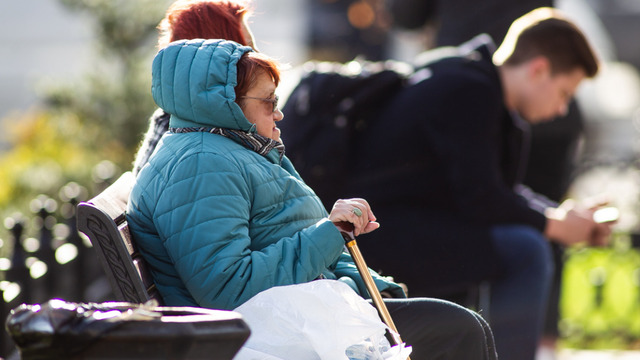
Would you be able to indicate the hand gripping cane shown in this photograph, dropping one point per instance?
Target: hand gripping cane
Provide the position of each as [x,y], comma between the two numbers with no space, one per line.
[346,229]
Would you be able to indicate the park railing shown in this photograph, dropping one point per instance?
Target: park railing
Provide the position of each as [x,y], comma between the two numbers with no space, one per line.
[44,257]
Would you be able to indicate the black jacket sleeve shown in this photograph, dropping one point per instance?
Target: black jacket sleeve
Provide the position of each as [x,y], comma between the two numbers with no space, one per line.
[469,129]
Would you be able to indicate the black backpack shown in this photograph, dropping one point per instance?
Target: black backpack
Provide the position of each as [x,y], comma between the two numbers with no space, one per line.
[326,112]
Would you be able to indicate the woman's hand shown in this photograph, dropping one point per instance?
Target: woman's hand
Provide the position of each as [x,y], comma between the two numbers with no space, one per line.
[357,212]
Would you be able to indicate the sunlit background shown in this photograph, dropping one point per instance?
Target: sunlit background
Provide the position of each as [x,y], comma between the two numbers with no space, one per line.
[74,105]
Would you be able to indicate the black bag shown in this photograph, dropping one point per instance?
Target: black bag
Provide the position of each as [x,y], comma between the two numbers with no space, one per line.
[325,113]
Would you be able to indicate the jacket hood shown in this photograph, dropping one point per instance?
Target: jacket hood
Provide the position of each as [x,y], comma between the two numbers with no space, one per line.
[195,80]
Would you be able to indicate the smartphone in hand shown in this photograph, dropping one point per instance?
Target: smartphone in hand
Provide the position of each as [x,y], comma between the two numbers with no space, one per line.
[606,215]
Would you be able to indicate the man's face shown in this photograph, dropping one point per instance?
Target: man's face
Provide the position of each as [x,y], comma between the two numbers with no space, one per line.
[548,95]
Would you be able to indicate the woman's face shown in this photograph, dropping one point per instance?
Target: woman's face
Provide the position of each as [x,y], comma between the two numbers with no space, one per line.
[258,106]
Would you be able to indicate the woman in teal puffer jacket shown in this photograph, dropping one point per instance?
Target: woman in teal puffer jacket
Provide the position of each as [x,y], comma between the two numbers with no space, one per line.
[220,214]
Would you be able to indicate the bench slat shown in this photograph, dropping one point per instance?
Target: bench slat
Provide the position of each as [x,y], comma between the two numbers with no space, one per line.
[102,219]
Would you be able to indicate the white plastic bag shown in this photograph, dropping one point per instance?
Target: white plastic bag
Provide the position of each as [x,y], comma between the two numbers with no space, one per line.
[315,320]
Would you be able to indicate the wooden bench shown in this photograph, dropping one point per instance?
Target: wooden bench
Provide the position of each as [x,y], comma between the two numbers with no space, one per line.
[217,334]
[102,219]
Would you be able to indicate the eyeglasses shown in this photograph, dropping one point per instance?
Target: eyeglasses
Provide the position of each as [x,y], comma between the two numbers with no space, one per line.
[274,101]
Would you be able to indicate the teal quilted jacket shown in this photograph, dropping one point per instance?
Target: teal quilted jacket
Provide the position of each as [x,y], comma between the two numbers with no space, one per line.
[217,222]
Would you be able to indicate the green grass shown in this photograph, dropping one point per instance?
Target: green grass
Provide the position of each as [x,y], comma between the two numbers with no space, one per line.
[600,302]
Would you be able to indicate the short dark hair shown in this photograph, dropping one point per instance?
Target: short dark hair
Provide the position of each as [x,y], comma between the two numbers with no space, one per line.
[546,32]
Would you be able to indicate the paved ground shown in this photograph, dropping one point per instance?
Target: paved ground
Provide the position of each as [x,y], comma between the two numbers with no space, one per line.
[567,354]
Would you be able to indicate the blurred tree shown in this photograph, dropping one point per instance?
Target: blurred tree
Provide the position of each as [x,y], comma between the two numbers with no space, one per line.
[99,116]
[115,97]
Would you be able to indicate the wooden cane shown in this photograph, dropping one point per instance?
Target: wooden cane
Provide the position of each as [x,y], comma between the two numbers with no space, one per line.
[346,229]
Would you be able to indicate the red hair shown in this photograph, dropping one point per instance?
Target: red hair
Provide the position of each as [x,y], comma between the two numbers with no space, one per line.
[249,67]
[204,19]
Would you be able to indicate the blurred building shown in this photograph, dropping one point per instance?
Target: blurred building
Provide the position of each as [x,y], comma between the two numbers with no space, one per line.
[610,102]
[621,18]
[340,30]
[39,40]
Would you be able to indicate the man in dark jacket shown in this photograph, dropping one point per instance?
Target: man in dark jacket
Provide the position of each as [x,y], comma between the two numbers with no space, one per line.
[555,145]
[442,164]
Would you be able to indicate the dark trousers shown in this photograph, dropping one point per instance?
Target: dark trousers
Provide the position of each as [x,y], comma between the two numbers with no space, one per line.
[438,329]
[519,297]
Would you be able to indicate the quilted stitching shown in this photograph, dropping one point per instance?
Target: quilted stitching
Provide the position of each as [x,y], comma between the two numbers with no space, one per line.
[217,222]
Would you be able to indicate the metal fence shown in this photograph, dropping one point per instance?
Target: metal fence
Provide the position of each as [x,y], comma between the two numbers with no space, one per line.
[44,257]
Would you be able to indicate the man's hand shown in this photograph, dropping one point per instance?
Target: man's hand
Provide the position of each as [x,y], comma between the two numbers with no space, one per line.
[571,223]
[605,218]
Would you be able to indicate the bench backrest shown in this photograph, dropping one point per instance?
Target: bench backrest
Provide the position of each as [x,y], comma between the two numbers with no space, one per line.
[103,220]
